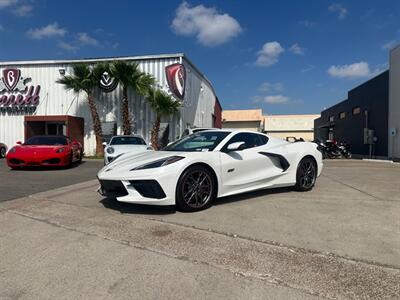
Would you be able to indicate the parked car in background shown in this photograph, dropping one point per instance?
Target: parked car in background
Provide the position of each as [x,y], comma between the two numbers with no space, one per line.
[45,150]
[121,144]
[293,139]
[195,170]
[3,150]
[189,131]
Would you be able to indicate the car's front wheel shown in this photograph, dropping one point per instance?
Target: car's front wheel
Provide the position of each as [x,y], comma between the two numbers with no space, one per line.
[196,189]
[3,152]
[306,174]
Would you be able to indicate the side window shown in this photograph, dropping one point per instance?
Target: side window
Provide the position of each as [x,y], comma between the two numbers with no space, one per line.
[262,139]
[251,139]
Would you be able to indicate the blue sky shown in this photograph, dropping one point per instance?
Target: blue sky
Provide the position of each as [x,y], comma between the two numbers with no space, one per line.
[285,57]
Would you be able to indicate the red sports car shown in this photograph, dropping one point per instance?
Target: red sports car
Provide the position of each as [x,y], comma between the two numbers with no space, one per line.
[54,151]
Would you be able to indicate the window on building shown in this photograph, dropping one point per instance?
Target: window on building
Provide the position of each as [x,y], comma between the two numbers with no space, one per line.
[342,115]
[331,118]
[356,110]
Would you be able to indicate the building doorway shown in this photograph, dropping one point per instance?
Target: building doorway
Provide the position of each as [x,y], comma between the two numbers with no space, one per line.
[72,127]
[56,128]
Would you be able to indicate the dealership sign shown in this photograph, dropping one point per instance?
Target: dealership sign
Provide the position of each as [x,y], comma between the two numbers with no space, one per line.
[15,95]
[107,83]
[176,78]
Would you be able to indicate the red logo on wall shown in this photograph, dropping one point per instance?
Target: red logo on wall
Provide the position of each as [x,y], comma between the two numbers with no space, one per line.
[17,96]
[176,78]
[11,78]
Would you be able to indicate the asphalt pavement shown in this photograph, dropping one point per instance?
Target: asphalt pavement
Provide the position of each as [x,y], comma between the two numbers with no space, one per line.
[19,183]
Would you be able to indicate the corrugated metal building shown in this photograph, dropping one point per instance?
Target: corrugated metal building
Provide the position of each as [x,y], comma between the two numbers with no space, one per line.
[29,88]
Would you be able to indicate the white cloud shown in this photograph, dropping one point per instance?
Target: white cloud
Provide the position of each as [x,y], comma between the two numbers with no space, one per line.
[356,70]
[269,54]
[296,49]
[340,9]
[307,23]
[23,10]
[7,3]
[67,46]
[389,45]
[210,27]
[268,87]
[276,99]
[86,40]
[307,69]
[49,31]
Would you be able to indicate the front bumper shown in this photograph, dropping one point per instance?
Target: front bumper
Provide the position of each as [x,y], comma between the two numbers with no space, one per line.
[145,187]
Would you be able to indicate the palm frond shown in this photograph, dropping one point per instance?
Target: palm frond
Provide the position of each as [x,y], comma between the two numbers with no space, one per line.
[162,103]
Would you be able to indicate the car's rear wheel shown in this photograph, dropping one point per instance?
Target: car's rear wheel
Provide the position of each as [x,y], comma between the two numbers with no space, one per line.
[3,152]
[196,189]
[306,174]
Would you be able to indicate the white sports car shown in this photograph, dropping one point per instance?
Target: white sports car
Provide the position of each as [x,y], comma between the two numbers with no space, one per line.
[121,144]
[192,172]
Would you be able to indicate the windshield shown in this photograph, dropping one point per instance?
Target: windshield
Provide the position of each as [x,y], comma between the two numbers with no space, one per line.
[201,141]
[47,141]
[127,140]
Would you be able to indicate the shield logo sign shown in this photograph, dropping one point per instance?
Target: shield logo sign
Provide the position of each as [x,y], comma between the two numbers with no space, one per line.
[11,78]
[176,78]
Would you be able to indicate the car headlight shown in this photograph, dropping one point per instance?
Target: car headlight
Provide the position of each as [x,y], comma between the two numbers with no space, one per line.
[12,150]
[61,150]
[110,150]
[159,163]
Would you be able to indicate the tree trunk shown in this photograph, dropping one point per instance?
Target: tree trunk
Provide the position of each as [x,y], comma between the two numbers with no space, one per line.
[96,126]
[126,121]
[154,133]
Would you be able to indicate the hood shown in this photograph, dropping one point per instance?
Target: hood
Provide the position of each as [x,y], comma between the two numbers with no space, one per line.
[127,148]
[37,148]
[129,161]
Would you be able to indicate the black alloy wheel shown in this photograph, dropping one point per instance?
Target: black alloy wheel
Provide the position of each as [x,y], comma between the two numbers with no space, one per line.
[306,174]
[196,189]
[3,152]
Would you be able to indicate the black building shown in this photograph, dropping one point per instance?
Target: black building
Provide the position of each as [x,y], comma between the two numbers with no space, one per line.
[366,107]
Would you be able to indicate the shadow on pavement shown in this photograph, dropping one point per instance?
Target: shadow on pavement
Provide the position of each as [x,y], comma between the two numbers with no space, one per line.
[130,208]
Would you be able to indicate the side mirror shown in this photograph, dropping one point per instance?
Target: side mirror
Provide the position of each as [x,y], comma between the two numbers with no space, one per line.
[238,146]
[19,143]
[104,144]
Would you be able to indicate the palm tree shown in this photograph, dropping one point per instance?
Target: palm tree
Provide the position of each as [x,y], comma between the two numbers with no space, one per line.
[163,105]
[129,75]
[86,79]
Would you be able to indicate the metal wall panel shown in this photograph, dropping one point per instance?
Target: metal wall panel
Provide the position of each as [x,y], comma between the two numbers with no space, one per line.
[197,109]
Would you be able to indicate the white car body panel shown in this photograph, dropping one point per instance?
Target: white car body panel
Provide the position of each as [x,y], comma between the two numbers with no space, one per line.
[236,172]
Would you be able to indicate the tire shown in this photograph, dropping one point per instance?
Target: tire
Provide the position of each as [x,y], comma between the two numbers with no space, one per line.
[196,189]
[80,157]
[71,160]
[3,152]
[306,174]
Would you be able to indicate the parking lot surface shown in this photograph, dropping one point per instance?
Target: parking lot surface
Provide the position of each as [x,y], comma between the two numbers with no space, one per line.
[340,240]
[19,183]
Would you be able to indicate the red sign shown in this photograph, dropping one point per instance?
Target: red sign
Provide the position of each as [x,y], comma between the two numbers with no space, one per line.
[17,96]
[176,78]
